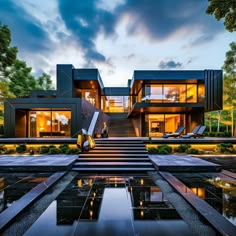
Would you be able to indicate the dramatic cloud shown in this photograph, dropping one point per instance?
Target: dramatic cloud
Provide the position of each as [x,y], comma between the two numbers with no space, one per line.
[27,33]
[161,19]
[157,20]
[85,21]
[116,36]
[167,65]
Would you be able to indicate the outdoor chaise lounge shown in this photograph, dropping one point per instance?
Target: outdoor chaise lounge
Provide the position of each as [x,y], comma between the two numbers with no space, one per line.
[197,132]
[176,134]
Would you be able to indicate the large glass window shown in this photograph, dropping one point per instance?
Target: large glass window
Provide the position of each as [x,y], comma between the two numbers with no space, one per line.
[49,123]
[201,93]
[191,93]
[115,103]
[90,95]
[173,93]
[158,124]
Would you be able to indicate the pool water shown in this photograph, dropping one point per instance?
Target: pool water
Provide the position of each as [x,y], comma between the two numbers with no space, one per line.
[14,185]
[217,189]
[110,205]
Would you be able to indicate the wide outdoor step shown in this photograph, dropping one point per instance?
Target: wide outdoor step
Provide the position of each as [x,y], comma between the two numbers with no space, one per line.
[117,169]
[111,159]
[117,151]
[110,145]
[109,141]
[118,163]
[120,148]
[111,155]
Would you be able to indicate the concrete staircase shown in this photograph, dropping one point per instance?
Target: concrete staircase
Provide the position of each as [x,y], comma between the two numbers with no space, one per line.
[115,155]
[120,125]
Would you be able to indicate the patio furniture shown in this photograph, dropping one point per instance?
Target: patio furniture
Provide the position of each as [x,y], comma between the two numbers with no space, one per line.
[176,134]
[197,132]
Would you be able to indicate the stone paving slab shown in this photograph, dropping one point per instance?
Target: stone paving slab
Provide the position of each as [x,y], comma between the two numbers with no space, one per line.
[36,162]
[176,163]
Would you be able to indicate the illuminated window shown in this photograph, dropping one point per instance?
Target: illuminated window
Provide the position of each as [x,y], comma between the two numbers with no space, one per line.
[174,93]
[115,103]
[49,123]
[158,124]
[191,93]
[91,96]
[201,93]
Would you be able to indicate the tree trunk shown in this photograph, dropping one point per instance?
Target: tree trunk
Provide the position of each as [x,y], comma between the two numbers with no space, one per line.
[219,120]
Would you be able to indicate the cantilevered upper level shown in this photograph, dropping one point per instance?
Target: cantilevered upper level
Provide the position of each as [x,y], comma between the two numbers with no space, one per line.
[148,88]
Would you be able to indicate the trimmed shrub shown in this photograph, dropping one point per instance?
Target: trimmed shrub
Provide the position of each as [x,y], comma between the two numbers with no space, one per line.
[2,149]
[21,148]
[152,150]
[71,151]
[218,134]
[53,151]
[44,150]
[225,148]
[164,149]
[51,146]
[64,147]
[182,148]
[193,151]
[9,151]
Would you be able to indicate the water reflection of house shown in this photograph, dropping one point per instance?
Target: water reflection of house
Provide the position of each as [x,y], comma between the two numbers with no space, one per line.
[82,199]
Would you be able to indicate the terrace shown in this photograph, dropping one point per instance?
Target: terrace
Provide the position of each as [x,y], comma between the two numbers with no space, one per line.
[77,192]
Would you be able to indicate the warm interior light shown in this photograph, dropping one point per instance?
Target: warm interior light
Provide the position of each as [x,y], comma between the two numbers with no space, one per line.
[141,213]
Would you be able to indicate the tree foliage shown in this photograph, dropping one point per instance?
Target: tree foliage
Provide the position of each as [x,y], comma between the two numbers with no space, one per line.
[21,79]
[44,82]
[230,82]
[230,76]
[16,79]
[7,53]
[7,59]
[230,61]
[224,9]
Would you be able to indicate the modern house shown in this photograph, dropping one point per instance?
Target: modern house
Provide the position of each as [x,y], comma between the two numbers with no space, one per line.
[154,102]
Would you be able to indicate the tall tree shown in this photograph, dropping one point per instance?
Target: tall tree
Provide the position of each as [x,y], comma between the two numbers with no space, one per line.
[224,9]
[7,59]
[230,61]
[44,82]
[230,83]
[21,80]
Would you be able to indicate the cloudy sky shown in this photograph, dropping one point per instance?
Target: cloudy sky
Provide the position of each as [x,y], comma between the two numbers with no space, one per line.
[116,36]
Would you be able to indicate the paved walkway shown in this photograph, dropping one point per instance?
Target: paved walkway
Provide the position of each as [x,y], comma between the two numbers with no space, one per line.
[36,162]
[182,163]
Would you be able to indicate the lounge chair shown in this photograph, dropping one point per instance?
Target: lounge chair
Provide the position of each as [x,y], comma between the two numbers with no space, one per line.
[176,134]
[197,132]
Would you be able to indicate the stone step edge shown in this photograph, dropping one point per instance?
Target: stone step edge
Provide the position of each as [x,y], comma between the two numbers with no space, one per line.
[115,169]
[221,224]
[8,215]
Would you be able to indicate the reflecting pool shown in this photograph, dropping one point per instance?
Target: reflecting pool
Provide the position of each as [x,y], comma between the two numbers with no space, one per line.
[110,205]
[14,185]
[217,189]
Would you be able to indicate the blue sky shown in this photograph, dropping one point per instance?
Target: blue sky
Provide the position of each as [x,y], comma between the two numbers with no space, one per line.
[116,36]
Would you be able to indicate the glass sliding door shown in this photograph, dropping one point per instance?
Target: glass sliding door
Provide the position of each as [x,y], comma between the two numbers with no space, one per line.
[158,124]
[49,123]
